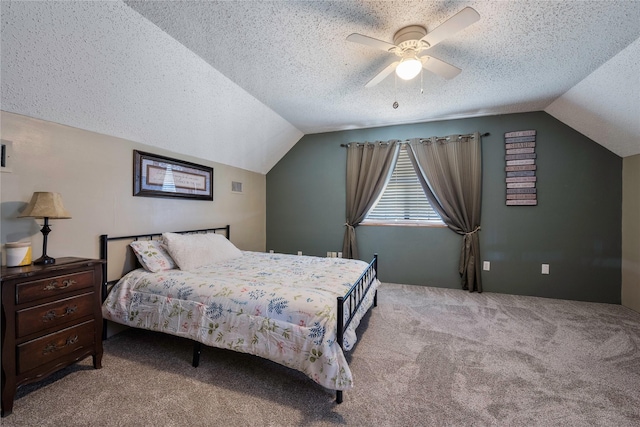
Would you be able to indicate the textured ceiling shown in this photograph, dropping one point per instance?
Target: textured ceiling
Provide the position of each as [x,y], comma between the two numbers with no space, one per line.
[100,66]
[605,106]
[293,55]
[239,82]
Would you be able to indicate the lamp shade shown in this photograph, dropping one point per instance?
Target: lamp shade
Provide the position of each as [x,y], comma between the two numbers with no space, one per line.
[408,68]
[45,205]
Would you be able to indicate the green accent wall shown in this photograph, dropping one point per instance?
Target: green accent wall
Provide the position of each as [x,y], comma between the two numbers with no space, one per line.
[576,226]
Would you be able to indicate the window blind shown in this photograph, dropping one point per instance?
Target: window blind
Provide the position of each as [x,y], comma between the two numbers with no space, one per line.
[403,199]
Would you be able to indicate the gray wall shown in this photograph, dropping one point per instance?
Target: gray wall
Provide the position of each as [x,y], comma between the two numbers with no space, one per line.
[576,227]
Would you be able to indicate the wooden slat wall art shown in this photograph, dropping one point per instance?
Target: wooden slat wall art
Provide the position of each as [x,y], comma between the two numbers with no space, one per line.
[520,158]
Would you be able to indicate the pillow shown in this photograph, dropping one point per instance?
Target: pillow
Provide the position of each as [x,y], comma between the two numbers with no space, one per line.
[152,255]
[191,251]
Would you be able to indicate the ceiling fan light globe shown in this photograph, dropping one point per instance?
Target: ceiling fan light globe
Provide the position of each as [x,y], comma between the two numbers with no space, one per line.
[408,68]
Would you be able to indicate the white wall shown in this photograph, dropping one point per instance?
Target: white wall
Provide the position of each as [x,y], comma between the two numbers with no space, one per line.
[94,174]
[631,232]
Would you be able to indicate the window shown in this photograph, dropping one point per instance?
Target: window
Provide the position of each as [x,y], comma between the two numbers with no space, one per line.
[403,201]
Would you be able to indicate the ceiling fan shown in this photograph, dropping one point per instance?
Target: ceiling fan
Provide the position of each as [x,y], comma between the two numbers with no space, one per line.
[409,43]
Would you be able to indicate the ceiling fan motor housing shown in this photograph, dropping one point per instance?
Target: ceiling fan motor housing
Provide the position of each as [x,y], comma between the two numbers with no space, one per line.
[409,38]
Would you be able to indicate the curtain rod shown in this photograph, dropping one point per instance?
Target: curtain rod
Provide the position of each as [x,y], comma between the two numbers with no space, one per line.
[406,141]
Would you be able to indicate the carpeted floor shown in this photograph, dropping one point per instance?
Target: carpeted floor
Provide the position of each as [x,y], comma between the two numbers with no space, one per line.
[426,357]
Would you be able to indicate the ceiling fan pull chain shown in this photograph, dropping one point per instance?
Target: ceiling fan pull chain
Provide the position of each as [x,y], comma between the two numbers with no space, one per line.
[395,92]
[421,83]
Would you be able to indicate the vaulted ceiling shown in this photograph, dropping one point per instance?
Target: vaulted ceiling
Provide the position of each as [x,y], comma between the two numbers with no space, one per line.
[240,82]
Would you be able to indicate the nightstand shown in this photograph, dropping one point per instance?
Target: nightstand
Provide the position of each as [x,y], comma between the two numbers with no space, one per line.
[51,318]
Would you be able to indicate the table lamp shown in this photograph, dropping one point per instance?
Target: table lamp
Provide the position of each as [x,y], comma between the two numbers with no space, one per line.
[45,205]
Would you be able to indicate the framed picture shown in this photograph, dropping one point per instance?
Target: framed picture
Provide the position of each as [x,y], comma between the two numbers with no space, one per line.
[160,176]
[6,151]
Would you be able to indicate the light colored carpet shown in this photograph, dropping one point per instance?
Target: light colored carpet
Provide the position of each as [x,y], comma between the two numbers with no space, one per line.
[426,357]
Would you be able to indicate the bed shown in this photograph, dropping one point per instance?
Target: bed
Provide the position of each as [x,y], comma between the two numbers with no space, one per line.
[299,311]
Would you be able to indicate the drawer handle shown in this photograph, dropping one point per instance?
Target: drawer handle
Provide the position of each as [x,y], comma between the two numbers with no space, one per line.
[54,285]
[50,348]
[51,314]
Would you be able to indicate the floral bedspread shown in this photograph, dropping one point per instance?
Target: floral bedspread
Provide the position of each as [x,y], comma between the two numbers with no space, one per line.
[280,307]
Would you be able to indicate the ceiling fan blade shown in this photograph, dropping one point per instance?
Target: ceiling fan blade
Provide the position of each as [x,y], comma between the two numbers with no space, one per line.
[448,28]
[371,42]
[439,67]
[382,74]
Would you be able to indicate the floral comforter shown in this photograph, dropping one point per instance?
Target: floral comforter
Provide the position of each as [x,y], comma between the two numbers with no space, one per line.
[280,307]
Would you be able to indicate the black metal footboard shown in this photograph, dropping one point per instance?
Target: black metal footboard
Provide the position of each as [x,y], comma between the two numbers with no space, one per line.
[353,299]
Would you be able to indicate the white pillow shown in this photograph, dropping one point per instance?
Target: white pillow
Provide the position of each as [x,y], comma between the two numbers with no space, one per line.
[191,251]
[152,255]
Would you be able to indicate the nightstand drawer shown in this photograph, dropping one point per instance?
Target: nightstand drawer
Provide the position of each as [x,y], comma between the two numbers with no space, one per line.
[47,316]
[52,286]
[53,346]
[51,318]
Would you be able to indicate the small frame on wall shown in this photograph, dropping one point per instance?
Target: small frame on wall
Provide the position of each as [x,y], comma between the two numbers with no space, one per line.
[6,152]
[160,176]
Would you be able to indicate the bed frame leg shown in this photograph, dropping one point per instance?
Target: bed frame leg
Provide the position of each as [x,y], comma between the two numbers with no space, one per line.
[375,298]
[338,396]
[197,347]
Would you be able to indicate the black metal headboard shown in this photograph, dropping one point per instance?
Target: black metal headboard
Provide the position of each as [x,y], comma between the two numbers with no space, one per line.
[105,239]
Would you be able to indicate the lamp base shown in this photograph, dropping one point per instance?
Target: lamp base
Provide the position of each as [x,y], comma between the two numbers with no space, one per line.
[44,260]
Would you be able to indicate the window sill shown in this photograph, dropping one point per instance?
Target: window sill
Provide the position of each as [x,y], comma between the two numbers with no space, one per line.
[403,224]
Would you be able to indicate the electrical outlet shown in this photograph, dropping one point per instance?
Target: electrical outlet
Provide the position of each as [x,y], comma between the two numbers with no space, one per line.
[486,266]
[334,254]
[545,268]
[299,252]
[339,254]
[270,251]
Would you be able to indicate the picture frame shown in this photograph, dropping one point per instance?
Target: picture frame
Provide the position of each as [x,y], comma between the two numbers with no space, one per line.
[6,152]
[159,176]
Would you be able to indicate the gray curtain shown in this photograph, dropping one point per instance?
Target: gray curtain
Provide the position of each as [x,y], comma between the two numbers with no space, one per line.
[368,166]
[450,171]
